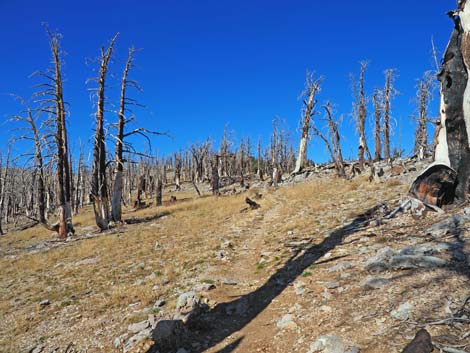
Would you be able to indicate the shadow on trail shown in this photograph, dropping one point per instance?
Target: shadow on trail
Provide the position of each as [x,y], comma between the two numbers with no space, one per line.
[223,320]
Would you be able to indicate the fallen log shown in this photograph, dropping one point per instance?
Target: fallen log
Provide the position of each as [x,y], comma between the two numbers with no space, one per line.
[253,205]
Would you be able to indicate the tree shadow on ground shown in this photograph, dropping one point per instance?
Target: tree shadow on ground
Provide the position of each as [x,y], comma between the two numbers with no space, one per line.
[223,320]
[135,220]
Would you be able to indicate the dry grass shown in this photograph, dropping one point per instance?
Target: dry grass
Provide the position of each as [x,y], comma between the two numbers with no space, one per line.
[125,267]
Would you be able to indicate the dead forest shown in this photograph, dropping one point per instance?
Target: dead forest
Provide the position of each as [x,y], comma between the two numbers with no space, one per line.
[48,184]
[241,243]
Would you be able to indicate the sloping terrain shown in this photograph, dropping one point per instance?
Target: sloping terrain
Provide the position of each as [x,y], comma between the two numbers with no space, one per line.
[316,266]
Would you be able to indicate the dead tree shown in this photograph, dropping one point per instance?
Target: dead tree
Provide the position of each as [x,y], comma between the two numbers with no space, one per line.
[259,167]
[54,105]
[99,183]
[389,93]
[34,135]
[4,175]
[377,101]
[199,153]
[312,88]
[177,175]
[116,210]
[215,175]
[423,97]
[448,178]
[335,139]
[360,114]
[159,192]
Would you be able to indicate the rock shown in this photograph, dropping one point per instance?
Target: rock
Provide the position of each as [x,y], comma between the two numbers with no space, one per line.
[226,245]
[287,322]
[230,281]
[45,302]
[421,343]
[220,255]
[204,287]
[375,283]
[331,285]
[299,288]
[341,266]
[388,258]
[450,225]
[331,344]
[138,326]
[379,262]
[403,311]
[118,341]
[404,262]
[136,339]
[187,306]
[168,334]
[466,212]
[159,303]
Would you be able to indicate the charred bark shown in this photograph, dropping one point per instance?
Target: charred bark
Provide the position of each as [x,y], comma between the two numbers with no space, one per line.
[452,152]
[99,183]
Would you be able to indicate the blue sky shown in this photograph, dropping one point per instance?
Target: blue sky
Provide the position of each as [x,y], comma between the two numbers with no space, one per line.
[204,64]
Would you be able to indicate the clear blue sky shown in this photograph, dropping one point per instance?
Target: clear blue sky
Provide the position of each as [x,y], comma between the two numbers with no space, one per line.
[208,63]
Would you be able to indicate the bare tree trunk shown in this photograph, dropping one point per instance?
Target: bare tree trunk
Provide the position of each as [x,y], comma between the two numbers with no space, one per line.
[159,191]
[378,126]
[312,87]
[99,187]
[215,176]
[260,162]
[3,182]
[423,98]
[388,94]
[360,112]
[448,178]
[116,210]
[62,160]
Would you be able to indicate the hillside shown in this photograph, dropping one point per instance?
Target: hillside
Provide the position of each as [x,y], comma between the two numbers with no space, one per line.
[314,269]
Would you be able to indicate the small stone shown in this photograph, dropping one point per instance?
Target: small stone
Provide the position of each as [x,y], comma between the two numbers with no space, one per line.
[159,303]
[287,322]
[299,288]
[226,245]
[188,305]
[204,287]
[230,282]
[341,266]
[138,326]
[45,302]
[375,283]
[403,311]
[331,285]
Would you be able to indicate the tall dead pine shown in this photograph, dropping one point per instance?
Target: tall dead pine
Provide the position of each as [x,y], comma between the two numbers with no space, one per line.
[388,93]
[312,88]
[99,184]
[423,97]
[56,106]
[377,101]
[360,114]
[116,210]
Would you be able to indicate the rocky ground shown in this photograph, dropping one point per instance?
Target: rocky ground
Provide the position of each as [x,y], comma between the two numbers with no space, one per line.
[319,267]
